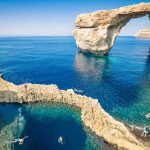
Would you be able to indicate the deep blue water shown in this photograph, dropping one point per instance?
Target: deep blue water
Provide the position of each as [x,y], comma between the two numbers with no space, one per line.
[120,81]
[44,124]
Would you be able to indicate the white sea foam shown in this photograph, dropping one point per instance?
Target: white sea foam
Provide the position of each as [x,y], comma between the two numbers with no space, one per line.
[76,90]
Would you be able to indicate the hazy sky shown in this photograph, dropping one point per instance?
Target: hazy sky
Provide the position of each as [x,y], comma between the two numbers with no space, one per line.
[56,17]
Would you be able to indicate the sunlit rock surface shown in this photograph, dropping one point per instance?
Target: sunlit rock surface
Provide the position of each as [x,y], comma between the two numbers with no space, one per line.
[144,33]
[92,114]
[96,32]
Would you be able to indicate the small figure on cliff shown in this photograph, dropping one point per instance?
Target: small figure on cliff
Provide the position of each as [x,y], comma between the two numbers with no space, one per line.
[21,141]
[147,116]
[132,128]
[146,131]
[60,140]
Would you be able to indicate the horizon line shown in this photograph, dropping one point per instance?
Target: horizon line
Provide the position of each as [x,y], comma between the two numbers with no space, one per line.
[47,35]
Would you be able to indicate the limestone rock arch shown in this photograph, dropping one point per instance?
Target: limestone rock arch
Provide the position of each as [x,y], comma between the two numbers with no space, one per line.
[96,32]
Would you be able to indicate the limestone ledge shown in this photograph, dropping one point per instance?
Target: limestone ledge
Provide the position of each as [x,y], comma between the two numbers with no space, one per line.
[92,114]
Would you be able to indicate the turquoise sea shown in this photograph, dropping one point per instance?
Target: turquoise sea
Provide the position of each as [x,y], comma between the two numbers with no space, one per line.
[120,81]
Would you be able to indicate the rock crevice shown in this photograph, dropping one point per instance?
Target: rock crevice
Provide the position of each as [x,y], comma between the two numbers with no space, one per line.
[96,32]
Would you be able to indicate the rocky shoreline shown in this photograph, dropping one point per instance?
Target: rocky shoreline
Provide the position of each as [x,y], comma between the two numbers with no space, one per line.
[92,114]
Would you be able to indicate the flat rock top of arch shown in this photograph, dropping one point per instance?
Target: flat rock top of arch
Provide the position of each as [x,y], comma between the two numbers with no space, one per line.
[113,17]
[92,114]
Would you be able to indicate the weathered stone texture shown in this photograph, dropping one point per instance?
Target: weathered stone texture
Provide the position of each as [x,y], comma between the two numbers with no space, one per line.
[96,32]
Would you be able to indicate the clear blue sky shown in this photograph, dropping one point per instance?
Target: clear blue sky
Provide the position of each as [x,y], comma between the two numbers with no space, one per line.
[56,17]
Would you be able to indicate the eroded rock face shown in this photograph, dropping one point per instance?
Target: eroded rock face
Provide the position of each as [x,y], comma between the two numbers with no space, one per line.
[144,33]
[92,114]
[96,32]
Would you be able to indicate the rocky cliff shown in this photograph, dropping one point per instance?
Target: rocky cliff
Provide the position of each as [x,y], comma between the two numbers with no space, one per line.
[96,32]
[144,33]
[92,114]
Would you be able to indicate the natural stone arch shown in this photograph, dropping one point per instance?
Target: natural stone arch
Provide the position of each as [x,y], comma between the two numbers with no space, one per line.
[97,31]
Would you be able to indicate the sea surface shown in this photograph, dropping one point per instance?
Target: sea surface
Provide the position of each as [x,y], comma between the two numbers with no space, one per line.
[44,124]
[120,81]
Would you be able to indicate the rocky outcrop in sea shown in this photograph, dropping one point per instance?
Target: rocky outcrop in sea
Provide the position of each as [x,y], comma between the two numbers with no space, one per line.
[96,32]
[144,33]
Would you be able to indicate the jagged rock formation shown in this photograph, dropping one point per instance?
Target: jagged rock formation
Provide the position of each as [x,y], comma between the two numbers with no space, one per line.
[96,32]
[144,33]
[92,114]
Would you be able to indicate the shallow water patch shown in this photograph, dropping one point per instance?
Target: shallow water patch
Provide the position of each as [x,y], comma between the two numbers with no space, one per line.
[44,124]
